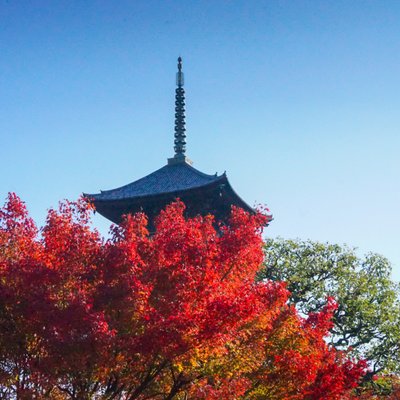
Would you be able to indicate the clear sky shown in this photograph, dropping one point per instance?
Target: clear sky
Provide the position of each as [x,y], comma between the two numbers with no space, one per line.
[299,101]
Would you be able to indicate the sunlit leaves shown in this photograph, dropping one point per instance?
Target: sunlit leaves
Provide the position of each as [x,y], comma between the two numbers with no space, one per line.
[173,315]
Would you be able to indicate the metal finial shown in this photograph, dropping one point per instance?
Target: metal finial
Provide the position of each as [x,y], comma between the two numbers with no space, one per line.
[179,74]
[180,135]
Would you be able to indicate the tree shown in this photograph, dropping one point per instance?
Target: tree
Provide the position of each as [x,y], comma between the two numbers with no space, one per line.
[367,320]
[174,315]
[381,387]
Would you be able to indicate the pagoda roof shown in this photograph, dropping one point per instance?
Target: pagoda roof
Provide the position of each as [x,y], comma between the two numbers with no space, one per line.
[168,179]
[202,194]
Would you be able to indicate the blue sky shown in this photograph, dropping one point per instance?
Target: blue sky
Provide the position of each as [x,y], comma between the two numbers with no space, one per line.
[297,100]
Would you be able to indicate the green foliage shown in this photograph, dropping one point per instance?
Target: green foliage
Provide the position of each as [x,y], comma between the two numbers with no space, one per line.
[367,321]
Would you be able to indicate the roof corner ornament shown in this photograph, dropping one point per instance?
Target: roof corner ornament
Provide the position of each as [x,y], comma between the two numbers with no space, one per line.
[180,129]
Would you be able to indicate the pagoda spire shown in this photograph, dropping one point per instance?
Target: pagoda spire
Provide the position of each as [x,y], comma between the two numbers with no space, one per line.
[180,130]
[180,135]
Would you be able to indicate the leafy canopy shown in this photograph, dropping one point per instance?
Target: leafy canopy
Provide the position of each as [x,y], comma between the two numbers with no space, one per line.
[367,319]
[174,315]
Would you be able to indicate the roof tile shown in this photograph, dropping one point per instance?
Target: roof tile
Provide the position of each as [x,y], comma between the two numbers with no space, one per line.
[170,178]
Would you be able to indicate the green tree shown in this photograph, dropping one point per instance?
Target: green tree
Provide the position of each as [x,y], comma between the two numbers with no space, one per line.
[367,321]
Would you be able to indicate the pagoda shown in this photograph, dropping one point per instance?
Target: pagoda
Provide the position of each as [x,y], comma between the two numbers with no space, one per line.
[202,193]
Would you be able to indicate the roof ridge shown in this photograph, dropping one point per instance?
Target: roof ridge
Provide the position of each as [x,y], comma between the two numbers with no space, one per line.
[202,173]
[167,179]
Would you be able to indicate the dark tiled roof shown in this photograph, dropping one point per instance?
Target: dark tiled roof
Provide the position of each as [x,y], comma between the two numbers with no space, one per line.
[168,179]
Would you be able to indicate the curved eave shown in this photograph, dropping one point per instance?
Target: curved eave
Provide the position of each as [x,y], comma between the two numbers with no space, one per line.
[169,179]
[214,198]
[175,193]
[242,203]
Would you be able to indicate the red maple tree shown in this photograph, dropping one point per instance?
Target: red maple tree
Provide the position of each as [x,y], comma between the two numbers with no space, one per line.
[173,315]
